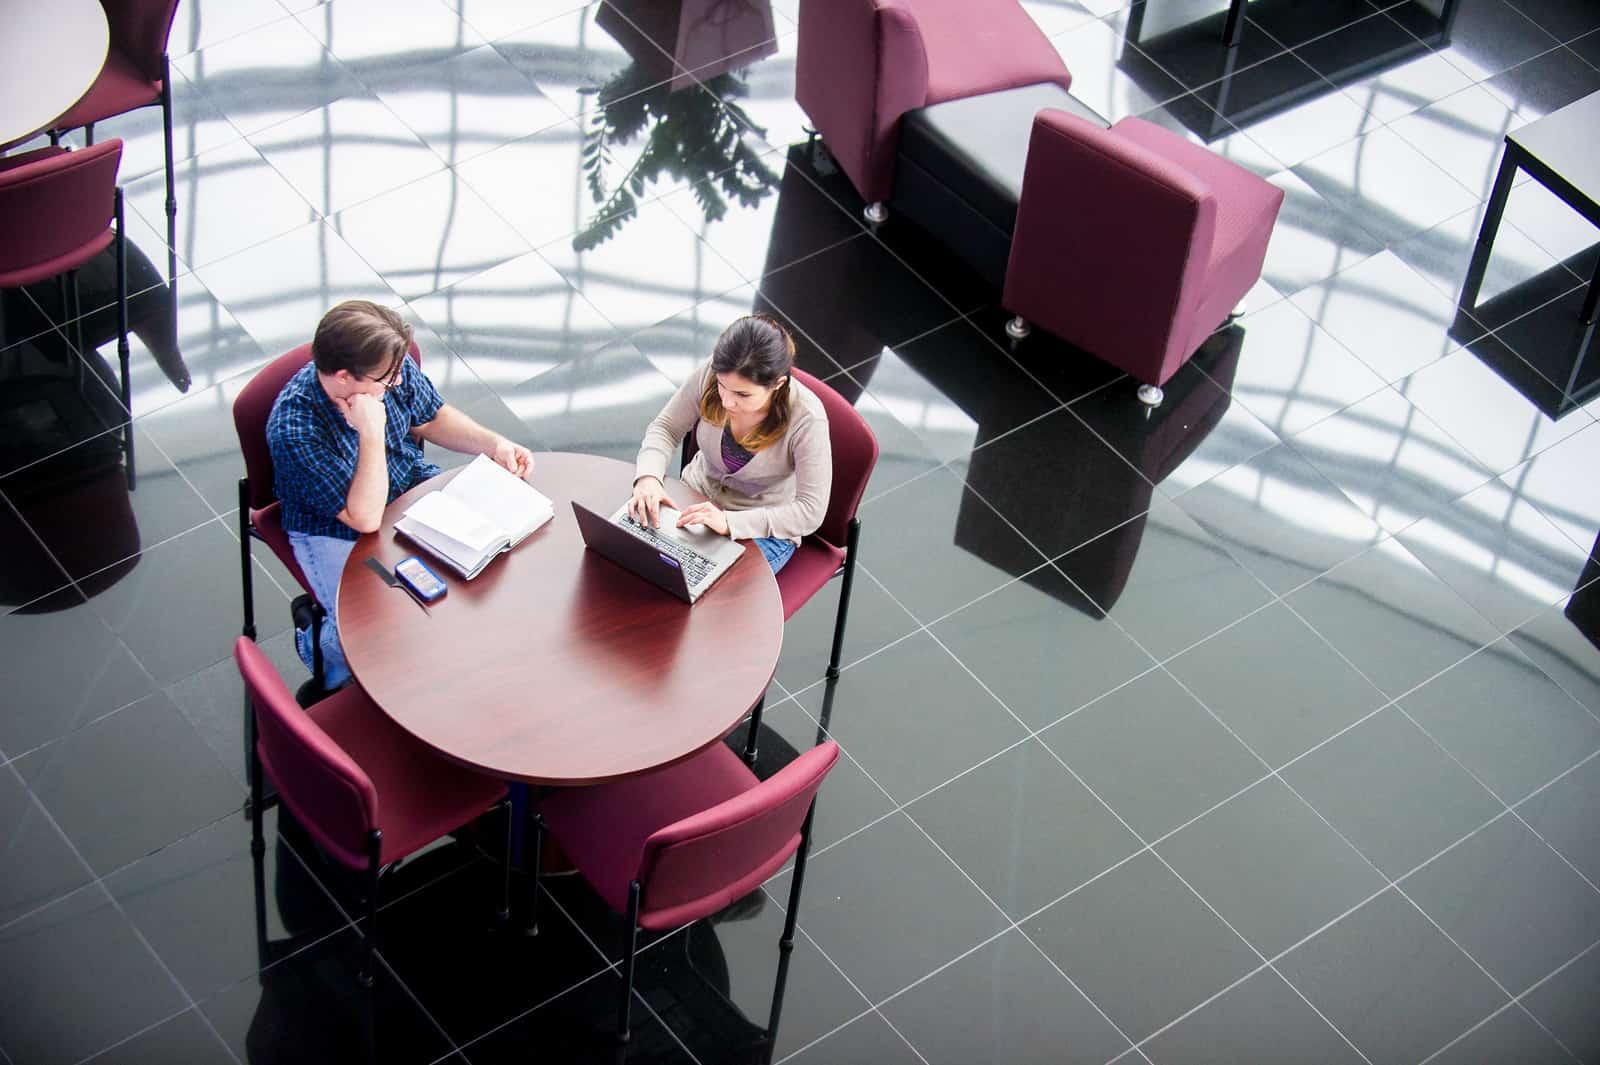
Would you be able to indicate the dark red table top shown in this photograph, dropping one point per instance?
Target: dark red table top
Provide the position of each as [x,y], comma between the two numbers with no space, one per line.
[554,665]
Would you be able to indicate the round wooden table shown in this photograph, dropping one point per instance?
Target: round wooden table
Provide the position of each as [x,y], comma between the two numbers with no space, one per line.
[554,665]
[50,53]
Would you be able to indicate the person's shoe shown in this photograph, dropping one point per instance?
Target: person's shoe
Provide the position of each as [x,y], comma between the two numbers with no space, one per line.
[310,693]
[303,611]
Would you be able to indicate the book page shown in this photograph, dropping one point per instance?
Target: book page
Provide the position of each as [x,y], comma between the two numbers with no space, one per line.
[446,550]
[455,521]
[501,497]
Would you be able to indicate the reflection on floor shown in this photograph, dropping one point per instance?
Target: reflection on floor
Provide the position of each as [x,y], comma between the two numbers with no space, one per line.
[1261,727]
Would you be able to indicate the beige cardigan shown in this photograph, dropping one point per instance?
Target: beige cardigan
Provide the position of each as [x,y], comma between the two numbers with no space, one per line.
[782,491]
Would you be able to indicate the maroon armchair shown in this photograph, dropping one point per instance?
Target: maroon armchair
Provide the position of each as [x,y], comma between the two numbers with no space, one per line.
[58,210]
[1157,242]
[135,75]
[260,513]
[862,64]
[367,791]
[677,844]
[830,551]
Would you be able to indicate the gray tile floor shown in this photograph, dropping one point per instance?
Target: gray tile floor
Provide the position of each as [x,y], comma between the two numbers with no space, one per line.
[1262,728]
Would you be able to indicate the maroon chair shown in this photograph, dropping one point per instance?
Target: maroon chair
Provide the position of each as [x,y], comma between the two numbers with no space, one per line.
[1146,258]
[260,513]
[58,210]
[136,74]
[862,64]
[361,786]
[831,550]
[671,846]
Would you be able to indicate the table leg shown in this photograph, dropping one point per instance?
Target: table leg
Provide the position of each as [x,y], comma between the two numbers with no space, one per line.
[522,800]
[1234,30]
[1487,231]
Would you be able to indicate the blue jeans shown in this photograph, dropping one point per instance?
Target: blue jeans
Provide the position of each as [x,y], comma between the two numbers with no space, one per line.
[777,551]
[323,558]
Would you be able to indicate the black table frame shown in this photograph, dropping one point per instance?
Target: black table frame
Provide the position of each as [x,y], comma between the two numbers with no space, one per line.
[1516,158]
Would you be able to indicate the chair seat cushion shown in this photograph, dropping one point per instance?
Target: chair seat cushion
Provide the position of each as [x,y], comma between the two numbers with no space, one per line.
[811,566]
[978,147]
[626,812]
[268,524]
[421,795]
[119,88]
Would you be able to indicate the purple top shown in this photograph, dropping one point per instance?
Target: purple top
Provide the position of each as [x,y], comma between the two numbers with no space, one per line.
[734,456]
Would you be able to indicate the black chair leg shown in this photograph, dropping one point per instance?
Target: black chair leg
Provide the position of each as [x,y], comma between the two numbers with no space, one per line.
[787,942]
[631,941]
[775,1013]
[247,587]
[248,599]
[534,875]
[851,540]
[505,893]
[369,961]
[172,196]
[258,844]
[88,135]
[750,740]
[72,316]
[122,337]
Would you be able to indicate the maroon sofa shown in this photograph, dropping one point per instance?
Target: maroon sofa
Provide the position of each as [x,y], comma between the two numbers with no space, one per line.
[1127,241]
[862,64]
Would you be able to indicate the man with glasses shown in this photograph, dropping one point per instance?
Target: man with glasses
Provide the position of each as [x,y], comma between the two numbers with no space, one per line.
[346,436]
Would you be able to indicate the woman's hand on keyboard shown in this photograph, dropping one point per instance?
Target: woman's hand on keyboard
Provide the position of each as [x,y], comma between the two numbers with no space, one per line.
[645,506]
[707,514]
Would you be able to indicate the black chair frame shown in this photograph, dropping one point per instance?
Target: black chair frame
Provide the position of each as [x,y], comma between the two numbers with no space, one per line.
[259,803]
[172,194]
[847,569]
[312,611]
[630,939]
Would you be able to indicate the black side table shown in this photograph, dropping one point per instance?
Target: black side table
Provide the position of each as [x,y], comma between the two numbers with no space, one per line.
[1562,152]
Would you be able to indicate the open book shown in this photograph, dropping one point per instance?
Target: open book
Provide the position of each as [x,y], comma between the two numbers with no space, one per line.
[483,511]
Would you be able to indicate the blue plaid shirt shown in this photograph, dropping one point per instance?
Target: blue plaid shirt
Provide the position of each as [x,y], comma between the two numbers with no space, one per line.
[314,449]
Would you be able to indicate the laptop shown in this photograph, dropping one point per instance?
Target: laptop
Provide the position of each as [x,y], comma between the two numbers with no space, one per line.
[684,562]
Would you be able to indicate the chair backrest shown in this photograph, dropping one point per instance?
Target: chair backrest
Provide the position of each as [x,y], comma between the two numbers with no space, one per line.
[700,864]
[139,30]
[855,453]
[56,211]
[331,796]
[859,66]
[252,407]
[1151,223]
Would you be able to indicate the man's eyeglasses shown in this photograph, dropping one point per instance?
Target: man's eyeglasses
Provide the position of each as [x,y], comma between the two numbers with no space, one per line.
[389,381]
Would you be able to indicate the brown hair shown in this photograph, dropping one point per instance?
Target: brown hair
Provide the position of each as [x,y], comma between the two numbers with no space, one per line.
[761,350]
[363,337]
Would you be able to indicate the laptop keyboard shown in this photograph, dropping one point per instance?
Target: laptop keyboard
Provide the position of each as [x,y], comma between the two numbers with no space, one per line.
[695,565]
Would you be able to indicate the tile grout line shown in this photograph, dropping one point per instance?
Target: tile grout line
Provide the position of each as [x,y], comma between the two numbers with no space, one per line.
[107,897]
[1516,1000]
[1151,846]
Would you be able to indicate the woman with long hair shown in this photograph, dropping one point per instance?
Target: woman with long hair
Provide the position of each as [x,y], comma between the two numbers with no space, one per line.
[764,463]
